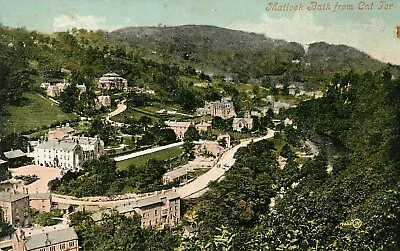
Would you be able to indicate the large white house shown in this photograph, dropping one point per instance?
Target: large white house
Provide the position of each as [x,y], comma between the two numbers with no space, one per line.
[67,153]
[58,153]
[113,81]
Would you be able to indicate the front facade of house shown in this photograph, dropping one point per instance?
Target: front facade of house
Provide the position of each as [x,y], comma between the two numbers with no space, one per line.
[68,153]
[162,209]
[59,153]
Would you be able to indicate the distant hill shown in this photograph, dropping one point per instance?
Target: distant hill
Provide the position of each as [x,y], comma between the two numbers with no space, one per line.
[221,50]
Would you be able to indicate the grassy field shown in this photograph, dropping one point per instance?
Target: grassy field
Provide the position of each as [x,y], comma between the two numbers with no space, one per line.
[37,112]
[142,160]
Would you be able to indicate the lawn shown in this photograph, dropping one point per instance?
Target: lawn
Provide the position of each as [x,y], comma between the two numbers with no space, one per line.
[142,160]
[38,112]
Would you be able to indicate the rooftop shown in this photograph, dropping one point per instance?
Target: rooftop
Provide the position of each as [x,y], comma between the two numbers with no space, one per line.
[57,144]
[39,196]
[11,197]
[177,124]
[50,236]
[14,154]
[2,161]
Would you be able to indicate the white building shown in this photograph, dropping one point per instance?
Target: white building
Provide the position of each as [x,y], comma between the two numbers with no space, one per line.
[68,153]
[113,81]
[58,153]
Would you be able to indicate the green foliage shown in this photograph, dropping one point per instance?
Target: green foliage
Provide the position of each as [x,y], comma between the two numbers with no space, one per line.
[353,207]
[5,228]
[116,232]
[102,177]
[28,179]
[47,218]
[105,131]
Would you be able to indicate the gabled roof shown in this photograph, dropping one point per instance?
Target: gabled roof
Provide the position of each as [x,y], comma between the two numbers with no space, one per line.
[14,154]
[37,241]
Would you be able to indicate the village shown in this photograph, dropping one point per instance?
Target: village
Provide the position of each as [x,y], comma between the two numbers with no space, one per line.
[63,149]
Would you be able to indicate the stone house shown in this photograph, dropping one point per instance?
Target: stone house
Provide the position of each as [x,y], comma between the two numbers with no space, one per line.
[55,87]
[40,201]
[160,209]
[15,208]
[223,108]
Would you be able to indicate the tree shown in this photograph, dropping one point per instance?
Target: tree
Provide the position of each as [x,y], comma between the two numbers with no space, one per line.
[5,228]
[191,134]
[69,99]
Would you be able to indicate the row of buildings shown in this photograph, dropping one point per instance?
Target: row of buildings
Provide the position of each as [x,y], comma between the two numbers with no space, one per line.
[54,87]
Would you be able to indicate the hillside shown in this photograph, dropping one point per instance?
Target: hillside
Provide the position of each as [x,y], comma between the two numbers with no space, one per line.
[224,51]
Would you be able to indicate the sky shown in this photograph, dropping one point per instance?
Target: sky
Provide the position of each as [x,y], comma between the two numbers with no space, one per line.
[365,25]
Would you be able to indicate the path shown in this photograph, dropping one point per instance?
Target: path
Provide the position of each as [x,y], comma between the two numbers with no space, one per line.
[121,107]
[148,151]
[195,188]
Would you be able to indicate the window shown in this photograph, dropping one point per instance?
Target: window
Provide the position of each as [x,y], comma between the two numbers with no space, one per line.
[71,244]
[155,212]
[42,249]
[53,248]
[62,246]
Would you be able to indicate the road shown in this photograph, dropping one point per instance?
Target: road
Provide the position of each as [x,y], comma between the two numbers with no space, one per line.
[191,190]
[197,187]
[147,151]
[121,107]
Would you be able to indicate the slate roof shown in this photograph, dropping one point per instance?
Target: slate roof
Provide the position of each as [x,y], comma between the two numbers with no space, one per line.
[37,241]
[10,197]
[14,154]
[56,144]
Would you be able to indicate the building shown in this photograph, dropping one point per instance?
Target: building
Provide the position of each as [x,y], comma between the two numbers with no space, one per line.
[223,109]
[16,158]
[203,126]
[112,81]
[45,239]
[103,101]
[68,153]
[179,128]
[93,147]
[160,209]
[15,208]
[239,124]
[40,201]
[55,87]
[82,88]
[296,88]
[61,132]
[59,153]
[3,163]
